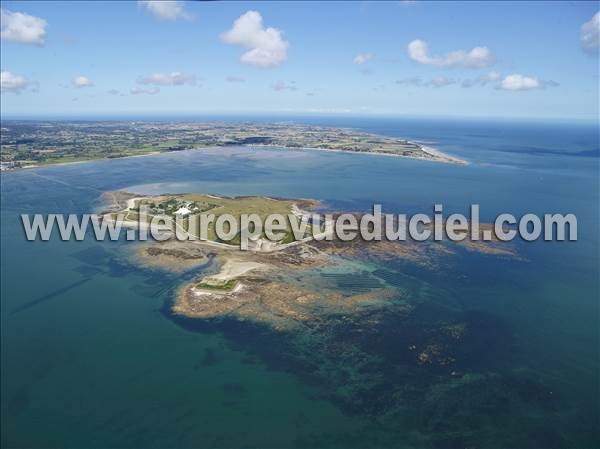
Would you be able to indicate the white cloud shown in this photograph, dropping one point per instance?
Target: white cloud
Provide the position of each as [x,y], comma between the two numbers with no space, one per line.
[235,79]
[282,85]
[418,50]
[521,82]
[165,10]
[139,91]
[266,45]
[510,82]
[82,81]
[21,27]
[11,82]
[441,81]
[438,81]
[361,58]
[168,79]
[590,33]
[491,77]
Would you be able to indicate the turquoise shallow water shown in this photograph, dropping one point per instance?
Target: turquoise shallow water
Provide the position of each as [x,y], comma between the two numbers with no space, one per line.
[90,359]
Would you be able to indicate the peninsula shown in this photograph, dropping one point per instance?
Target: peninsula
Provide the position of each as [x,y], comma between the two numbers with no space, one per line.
[33,143]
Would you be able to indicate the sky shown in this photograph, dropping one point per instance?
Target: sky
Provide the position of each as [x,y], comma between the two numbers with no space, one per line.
[536,60]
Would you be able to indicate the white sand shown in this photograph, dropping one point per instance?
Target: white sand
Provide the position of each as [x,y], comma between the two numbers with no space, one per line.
[232,269]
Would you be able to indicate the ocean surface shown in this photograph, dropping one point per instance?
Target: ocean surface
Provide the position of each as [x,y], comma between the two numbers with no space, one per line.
[91,356]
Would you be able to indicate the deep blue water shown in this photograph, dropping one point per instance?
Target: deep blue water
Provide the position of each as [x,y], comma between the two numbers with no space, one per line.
[88,359]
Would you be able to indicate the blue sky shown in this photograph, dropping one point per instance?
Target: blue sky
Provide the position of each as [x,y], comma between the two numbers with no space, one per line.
[471,59]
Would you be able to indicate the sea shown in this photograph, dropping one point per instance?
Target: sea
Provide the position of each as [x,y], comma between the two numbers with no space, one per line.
[92,357]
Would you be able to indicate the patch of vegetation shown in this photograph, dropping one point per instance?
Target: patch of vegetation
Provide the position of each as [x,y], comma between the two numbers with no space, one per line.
[226,286]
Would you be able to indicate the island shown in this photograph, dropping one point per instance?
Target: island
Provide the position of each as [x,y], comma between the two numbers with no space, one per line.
[283,285]
[373,322]
[33,143]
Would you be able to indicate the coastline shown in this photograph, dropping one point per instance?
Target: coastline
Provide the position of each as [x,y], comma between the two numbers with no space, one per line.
[54,164]
[437,155]
[446,157]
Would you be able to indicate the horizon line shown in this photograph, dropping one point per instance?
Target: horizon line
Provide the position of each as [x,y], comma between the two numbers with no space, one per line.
[137,115]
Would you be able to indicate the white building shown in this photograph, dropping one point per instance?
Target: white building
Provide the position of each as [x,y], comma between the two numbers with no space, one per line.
[182,211]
